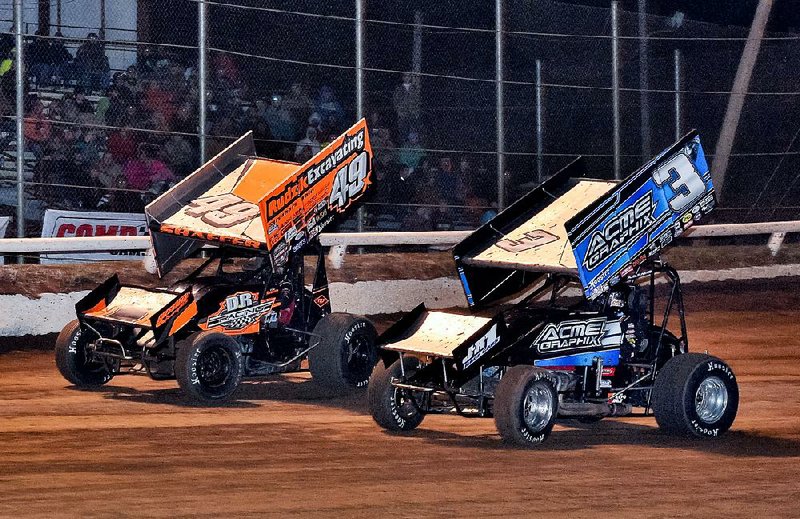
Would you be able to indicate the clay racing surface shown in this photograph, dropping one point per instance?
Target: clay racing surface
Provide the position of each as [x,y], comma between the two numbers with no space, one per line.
[134,448]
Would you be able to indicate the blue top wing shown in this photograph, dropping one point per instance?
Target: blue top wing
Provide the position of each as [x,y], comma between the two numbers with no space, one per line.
[642,215]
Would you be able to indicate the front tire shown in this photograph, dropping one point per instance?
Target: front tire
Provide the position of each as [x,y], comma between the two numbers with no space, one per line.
[73,362]
[392,408]
[344,352]
[525,406]
[209,366]
[695,395]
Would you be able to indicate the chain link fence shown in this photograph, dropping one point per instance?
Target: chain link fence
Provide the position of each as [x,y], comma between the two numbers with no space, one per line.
[112,100]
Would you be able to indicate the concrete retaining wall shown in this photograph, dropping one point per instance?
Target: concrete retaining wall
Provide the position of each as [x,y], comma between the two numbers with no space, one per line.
[49,312]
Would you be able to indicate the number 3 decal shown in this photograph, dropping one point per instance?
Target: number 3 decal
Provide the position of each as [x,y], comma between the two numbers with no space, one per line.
[684,180]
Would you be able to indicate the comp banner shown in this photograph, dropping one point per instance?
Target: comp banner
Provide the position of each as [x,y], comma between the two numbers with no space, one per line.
[60,224]
[642,215]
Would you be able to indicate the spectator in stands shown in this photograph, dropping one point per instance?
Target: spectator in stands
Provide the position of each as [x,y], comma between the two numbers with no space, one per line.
[329,107]
[36,127]
[146,170]
[265,144]
[37,58]
[406,101]
[7,80]
[83,105]
[87,149]
[69,108]
[179,155]
[410,155]
[159,100]
[91,64]
[108,176]
[308,146]
[298,102]
[60,58]
[122,145]
[279,120]
[111,108]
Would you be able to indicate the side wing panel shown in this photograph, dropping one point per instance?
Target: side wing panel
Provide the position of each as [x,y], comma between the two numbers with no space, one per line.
[642,215]
[325,186]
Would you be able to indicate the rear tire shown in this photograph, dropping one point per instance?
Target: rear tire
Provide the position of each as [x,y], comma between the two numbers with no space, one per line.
[72,362]
[695,395]
[525,406]
[344,352]
[392,408]
[209,366]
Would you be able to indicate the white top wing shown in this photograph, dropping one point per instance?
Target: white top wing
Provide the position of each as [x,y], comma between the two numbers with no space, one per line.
[541,243]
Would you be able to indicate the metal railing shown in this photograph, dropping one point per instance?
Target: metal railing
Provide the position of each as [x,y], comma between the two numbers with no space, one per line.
[340,241]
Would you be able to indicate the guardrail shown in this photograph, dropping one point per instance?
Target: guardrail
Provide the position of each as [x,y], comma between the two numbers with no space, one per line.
[340,241]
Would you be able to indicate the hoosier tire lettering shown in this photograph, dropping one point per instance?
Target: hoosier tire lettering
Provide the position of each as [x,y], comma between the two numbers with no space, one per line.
[525,406]
[695,395]
[72,360]
[209,366]
[393,408]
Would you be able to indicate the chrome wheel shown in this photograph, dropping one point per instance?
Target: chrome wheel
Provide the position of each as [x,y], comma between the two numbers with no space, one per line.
[537,409]
[711,399]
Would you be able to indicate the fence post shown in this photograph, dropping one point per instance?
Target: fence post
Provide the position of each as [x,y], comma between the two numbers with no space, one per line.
[201,76]
[644,80]
[677,58]
[498,58]
[19,64]
[615,83]
[539,143]
[360,85]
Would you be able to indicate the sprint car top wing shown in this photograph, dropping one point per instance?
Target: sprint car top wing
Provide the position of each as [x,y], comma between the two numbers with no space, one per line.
[528,239]
[240,200]
[594,230]
[642,215]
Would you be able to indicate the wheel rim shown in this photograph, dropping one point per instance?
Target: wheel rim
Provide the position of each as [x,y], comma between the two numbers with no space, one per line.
[538,407]
[85,357]
[711,399]
[405,404]
[214,366]
[359,353]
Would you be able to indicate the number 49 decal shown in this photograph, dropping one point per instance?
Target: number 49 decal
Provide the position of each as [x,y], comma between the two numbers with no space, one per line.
[224,210]
[349,181]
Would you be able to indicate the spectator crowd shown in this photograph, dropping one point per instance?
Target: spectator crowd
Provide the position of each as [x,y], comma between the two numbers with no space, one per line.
[112,142]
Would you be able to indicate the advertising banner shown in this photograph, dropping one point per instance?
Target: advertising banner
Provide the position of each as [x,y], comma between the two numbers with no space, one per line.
[59,224]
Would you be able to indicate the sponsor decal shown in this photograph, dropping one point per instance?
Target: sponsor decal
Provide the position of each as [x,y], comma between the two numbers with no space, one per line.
[57,223]
[350,145]
[620,231]
[239,311]
[570,335]
[223,211]
[326,185]
[529,240]
[207,236]
[481,346]
[641,216]
[349,182]
[321,301]
[173,310]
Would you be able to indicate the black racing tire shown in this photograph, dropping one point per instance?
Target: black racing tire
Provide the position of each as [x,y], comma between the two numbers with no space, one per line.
[696,395]
[71,359]
[343,352]
[525,406]
[393,408]
[209,366]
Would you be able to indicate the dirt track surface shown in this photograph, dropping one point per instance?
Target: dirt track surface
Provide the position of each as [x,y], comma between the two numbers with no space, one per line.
[283,448]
